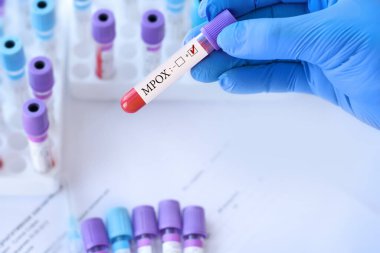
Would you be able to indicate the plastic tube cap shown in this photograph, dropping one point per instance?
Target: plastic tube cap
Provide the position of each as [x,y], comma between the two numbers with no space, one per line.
[169,215]
[194,221]
[12,53]
[215,26]
[119,223]
[103,26]
[144,221]
[35,118]
[41,75]
[153,27]
[43,16]
[94,233]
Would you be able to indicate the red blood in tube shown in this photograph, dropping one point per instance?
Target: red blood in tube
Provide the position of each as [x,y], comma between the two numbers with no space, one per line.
[132,102]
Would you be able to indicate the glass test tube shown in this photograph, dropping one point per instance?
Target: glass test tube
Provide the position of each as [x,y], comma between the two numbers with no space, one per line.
[119,228]
[36,126]
[170,226]
[15,87]
[175,9]
[152,33]
[177,65]
[83,16]
[104,33]
[194,229]
[43,23]
[145,228]
[41,80]
[94,235]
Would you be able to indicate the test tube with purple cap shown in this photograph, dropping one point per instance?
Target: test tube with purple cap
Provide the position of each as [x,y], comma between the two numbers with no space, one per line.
[152,34]
[36,126]
[41,80]
[94,235]
[104,33]
[170,226]
[194,229]
[145,228]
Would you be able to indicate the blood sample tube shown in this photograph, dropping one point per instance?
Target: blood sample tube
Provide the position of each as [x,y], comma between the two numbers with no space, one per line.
[94,235]
[43,23]
[170,226]
[36,126]
[152,33]
[41,80]
[194,229]
[177,65]
[119,229]
[145,229]
[195,18]
[104,33]
[15,87]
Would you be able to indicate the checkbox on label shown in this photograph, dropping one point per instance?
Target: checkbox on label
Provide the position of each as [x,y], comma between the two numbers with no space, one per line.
[192,51]
[180,61]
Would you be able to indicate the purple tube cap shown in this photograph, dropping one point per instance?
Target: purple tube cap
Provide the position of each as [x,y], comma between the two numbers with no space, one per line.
[144,221]
[41,75]
[169,215]
[215,26]
[35,118]
[153,27]
[94,233]
[194,221]
[103,26]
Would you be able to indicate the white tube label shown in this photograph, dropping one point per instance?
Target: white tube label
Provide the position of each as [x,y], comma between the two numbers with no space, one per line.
[171,247]
[169,72]
[41,156]
[193,250]
[145,249]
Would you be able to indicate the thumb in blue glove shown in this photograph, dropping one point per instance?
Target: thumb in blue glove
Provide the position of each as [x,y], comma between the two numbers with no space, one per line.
[333,52]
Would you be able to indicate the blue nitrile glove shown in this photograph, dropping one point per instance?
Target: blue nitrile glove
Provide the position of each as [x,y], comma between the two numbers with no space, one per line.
[330,48]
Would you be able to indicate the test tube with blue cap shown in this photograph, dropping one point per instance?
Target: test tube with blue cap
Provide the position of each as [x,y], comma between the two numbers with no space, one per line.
[119,228]
[175,14]
[94,236]
[104,33]
[194,229]
[15,87]
[170,226]
[43,23]
[36,126]
[145,229]
[152,33]
[41,81]
[83,16]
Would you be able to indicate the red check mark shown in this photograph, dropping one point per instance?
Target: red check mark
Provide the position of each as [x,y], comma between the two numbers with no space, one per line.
[192,50]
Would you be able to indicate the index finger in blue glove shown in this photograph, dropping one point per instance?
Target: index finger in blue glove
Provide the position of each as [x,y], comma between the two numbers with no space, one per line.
[211,8]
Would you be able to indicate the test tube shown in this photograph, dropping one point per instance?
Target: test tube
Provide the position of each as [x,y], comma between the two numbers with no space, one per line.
[43,22]
[145,228]
[194,229]
[152,33]
[83,15]
[36,126]
[119,229]
[15,87]
[104,33]
[177,65]
[195,18]
[94,235]
[170,226]
[175,18]
[41,80]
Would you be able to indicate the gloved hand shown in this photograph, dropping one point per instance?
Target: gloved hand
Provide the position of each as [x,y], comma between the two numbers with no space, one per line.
[329,48]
